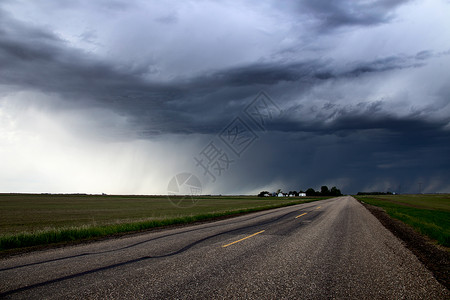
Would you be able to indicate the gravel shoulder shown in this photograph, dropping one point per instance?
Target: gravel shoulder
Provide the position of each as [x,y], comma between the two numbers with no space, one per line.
[434,257]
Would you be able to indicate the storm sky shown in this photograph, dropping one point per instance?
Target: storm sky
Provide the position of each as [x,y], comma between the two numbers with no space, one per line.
[120,96]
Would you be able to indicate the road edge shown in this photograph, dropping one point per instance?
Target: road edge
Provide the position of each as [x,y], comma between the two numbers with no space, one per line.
[436,260]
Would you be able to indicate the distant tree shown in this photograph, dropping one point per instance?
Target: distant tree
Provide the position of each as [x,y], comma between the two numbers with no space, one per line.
[263,194]
[335,191]
[278,191]
[324,191]
[310,192]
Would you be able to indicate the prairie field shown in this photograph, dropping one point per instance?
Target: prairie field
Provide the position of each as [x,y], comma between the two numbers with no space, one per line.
[39,219]
[427,214]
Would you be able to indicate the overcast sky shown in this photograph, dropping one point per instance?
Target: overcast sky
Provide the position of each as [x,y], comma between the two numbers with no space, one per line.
[121,96]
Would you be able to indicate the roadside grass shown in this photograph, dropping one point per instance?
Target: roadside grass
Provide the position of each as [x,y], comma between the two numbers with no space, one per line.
[36,220]
[427,214]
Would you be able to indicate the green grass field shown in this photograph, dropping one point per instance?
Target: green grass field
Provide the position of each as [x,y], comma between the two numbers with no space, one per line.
[428,214]
[32,220]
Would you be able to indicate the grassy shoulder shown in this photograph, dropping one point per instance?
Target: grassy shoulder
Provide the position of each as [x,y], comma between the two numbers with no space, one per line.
[40,220]
[427,214]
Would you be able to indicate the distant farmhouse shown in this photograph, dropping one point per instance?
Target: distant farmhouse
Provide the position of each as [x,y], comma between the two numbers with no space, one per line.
[281,194]
[324,191]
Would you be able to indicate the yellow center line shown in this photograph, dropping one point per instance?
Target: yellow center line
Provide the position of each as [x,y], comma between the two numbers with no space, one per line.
[242,239]
[300,215]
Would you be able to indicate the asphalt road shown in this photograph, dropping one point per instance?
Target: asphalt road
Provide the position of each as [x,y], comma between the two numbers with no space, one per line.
[327,249]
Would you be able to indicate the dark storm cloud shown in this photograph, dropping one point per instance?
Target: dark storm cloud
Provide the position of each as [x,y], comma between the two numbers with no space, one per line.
[362,116]
[319,137]
[387,154]
[264,74]
[389,63]
[331,15]
[275,72]
[38,59]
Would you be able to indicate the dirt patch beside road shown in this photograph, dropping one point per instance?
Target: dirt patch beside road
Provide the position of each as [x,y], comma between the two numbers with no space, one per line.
[435,258]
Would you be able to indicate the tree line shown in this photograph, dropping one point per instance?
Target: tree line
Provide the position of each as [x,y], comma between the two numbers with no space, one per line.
[324,191]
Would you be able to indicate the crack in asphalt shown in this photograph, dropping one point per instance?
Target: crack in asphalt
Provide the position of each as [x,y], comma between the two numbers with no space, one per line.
[126,247]
[144,258]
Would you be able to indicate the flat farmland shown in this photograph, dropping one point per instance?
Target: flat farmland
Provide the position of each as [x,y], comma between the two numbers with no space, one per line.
[37,219]
[329,249]
[427,214]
